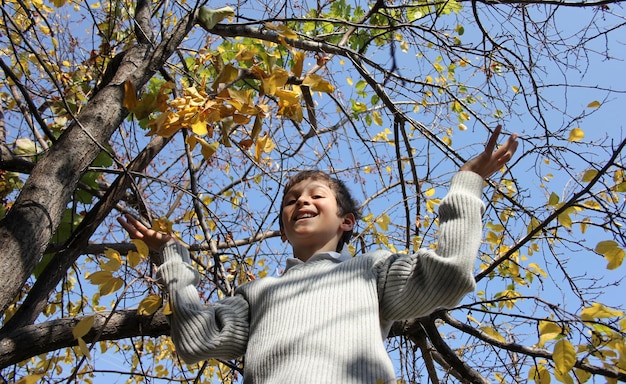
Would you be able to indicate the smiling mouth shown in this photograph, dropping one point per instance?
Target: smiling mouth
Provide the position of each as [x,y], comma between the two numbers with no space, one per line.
[305,216]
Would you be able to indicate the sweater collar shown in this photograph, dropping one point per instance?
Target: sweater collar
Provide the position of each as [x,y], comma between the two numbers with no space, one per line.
[333,256]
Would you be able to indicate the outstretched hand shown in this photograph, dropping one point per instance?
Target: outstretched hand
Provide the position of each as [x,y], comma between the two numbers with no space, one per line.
[492,159]
[136,230]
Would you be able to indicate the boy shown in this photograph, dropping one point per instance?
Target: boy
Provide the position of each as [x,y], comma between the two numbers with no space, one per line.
[325,319]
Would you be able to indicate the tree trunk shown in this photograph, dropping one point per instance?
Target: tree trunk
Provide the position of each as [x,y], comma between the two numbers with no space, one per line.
[26,230]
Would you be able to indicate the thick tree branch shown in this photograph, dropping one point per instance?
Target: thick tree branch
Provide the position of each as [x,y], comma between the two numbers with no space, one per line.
[467,372]
[32,340]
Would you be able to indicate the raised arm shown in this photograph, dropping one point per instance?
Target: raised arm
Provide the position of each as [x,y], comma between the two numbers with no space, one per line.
[199,331]
[414,285]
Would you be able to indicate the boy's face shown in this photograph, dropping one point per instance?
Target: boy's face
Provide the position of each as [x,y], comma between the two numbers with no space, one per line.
[310,217]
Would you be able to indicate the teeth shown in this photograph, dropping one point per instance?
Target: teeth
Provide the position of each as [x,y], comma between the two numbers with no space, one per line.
[305,216]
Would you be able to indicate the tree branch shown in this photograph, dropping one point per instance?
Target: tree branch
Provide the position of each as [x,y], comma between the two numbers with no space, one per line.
[32,340]
[533,352]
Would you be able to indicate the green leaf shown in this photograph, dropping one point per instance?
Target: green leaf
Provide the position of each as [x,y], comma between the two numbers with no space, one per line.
[208,18]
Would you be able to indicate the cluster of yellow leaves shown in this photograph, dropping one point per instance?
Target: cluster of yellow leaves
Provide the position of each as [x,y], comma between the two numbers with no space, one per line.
[607,344]
[382,221]
[224,108]
[105,280]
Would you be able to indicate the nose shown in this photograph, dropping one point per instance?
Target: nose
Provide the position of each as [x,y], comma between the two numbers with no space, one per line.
[303,200]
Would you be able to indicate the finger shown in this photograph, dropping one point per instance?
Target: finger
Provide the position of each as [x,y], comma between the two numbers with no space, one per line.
[493,139]
[506,152]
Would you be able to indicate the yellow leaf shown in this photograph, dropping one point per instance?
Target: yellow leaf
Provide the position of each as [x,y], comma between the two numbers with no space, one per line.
[554,199]
[167,310]
[199,127]
[30,379]
[493,333]
[606,246]
[110,286]
[539,374]
[576,134]
[563,377]
[429,192]
[589,175]
[599,311]
[208,149]
[83,326]
[227,75]
[256,127]
[565,220]
[282,30]
[620,187]
[277,80]
[298,63]
[594,104]
[317,83]
[611,252]
[264,144]
[378,119]
[289,97]
[548,330]
[383,222]
[564,356]
[582,375]
[84,350]
[115,260]
[100,277]
[141,247]
[149,305]
[615,258]
[133,258]
[534,223]
[130,97]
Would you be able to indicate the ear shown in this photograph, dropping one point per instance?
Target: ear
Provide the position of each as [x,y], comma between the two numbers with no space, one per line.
[348,222]
[283,237]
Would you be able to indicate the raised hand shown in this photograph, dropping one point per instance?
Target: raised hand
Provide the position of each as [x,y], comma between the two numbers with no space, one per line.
[492,159]
[136,230]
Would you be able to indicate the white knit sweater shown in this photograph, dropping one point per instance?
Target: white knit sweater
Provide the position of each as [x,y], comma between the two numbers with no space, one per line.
[324,321]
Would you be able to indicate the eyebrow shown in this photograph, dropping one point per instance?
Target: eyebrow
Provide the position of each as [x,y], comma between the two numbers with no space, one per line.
[315,187]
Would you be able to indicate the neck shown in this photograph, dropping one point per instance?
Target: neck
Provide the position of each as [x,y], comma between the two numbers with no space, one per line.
[306,254]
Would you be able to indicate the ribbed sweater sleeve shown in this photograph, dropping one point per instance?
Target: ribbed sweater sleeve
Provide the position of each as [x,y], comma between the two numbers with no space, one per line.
[200,331]
[415,285]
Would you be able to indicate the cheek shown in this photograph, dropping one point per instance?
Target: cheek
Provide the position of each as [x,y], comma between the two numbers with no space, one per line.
[284,214]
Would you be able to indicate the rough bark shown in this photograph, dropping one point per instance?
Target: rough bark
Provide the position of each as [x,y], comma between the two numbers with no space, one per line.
[26,230]
[33,340]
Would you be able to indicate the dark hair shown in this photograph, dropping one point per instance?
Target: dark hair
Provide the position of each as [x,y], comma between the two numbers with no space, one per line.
[345,202]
